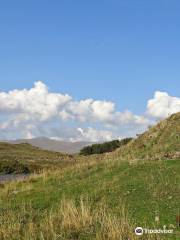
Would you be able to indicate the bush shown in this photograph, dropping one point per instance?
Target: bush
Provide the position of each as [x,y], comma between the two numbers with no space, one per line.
[13,167]
[104,147]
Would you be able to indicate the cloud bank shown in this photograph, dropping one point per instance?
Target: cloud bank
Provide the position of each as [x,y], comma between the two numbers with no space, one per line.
[37,112]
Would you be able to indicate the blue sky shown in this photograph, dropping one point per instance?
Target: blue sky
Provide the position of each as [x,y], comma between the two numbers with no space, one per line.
[114,50]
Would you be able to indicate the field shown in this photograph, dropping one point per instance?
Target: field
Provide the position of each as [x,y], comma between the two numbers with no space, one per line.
[92,201]
[97,197]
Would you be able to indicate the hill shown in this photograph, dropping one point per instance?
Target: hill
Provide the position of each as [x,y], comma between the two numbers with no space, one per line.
[102,197]
[53,145]
[161,141]
[24,158]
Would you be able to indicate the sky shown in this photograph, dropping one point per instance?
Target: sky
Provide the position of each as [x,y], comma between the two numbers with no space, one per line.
[87,70]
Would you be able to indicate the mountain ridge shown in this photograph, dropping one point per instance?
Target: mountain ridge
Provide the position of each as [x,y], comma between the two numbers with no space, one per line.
[52,144]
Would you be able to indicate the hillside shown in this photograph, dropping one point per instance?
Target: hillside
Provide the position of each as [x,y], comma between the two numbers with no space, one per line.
[101,197]
[24,158]
[161,141]
[53,145]
[103,200]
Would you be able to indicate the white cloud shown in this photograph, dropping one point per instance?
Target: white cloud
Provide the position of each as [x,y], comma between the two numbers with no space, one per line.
[35,112]
[163,105]
[90,110]
[96,111]
[93,135]
[88,134]
[128,117]
[37,103]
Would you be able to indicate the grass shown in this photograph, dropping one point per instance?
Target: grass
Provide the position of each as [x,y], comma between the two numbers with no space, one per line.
[93,200]
[161,141]
[96,197]
[24,158]
[69,221]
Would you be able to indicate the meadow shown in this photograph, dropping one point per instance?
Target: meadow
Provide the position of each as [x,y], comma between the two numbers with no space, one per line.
[104,196]
[93,200]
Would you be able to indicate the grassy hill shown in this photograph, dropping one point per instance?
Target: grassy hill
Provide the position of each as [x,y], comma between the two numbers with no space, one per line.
[161,141]
[100,197]
[24,158]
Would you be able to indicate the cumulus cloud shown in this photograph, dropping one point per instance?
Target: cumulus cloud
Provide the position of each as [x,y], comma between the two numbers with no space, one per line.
[41,105]
[90,110]
[163,105]
[37,103]
[96,111]
[32,112]
[88,134]
[93,135]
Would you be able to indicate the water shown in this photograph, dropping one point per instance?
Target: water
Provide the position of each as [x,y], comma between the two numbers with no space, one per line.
[12,177]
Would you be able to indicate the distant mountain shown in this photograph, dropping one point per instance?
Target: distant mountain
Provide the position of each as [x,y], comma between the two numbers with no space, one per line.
[53,145]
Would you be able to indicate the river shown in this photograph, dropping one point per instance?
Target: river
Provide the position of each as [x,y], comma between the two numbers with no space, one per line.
[12,177]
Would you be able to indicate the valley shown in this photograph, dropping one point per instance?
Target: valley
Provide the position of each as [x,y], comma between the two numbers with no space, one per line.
[100,196]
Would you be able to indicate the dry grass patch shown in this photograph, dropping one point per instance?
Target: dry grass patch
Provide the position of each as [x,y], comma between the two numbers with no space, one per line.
[69,221]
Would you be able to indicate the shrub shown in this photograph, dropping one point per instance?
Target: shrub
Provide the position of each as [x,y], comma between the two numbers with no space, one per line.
[104,147]
[14,167]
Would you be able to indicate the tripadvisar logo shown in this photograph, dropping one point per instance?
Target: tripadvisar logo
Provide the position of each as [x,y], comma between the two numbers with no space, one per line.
[139,231]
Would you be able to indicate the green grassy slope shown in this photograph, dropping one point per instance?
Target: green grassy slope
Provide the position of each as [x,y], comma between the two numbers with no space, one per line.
[161,141]
[144,189]
[100,197]
[22,158]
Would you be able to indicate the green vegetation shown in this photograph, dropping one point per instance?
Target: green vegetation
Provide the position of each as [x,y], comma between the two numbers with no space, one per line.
[24,158]
[103,196]
[160,142]
[92,200]
[14,167]
[104,147]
